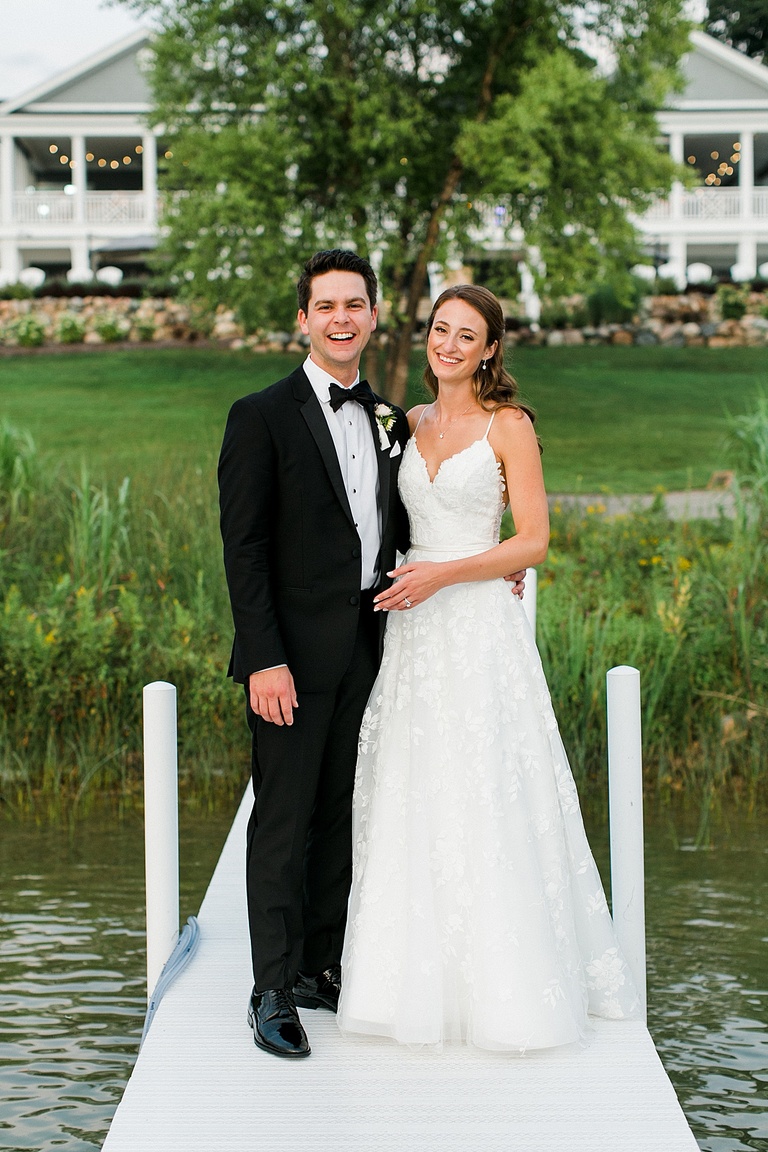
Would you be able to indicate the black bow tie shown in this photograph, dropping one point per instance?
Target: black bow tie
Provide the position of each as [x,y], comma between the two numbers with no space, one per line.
[361,393]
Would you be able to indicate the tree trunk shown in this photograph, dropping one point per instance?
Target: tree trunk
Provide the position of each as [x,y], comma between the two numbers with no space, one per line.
[398,360]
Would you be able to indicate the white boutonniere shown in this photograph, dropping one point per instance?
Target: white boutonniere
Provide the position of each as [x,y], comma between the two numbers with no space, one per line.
[385,421]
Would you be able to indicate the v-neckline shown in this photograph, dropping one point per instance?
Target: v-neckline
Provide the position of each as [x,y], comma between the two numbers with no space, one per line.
[432,479]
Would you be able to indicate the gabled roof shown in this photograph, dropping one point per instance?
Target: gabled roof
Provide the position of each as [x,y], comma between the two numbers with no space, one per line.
[719,77]
[109,80]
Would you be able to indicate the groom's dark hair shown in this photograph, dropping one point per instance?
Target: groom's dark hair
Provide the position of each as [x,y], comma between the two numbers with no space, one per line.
[335,260]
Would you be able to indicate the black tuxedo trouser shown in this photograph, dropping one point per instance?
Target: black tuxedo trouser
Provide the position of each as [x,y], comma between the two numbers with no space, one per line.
[299,855]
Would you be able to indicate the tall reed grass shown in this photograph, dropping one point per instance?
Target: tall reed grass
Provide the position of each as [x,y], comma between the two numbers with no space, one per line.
[106,587]
[687,604]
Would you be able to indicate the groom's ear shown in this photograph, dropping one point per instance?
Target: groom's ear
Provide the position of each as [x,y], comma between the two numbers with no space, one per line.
[302,319]
[374,316]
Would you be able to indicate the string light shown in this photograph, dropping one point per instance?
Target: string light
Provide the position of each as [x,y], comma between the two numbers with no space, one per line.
[102,163]
[737,147]
[138,149]
[63,159]
[89,156]
[114,164]
[53,148]
[691,159]
[126,159]
[715,155]
[169,155]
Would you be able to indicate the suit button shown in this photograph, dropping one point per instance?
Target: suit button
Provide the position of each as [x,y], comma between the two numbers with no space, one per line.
[355,553]
[354,600]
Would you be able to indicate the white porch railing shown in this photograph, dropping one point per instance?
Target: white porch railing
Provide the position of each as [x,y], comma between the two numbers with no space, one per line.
[60,208]
[115,207]
[43,208]
[711,204]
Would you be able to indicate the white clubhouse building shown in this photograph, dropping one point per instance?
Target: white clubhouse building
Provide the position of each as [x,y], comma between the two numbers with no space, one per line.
[78,169]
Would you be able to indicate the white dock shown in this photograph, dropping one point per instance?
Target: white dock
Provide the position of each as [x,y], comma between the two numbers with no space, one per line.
[200,1084]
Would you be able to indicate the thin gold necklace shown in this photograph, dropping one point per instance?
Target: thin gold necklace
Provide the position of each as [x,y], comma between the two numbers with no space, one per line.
[442,434]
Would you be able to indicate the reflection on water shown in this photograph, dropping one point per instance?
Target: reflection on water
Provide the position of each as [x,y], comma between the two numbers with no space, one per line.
[72,993]
[72,971]
[708,971]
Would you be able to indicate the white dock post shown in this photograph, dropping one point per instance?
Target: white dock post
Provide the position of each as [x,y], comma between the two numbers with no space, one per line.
[625,790]
[529,599]
[161,826]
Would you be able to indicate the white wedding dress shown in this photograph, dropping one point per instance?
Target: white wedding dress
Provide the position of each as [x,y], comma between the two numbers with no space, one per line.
[476,912]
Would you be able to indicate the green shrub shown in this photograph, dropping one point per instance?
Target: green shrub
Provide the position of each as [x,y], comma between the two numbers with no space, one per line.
[70,329]
[563,314]
[665,286]
[145,328]
[604,306]
[111,327]
[732,301]
[16,291]
[27,331]
[554,314]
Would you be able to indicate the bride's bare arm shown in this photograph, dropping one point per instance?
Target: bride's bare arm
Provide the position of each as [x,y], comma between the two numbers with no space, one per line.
[514,442]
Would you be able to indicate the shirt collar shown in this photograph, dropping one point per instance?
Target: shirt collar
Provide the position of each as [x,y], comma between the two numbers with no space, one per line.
[321,380]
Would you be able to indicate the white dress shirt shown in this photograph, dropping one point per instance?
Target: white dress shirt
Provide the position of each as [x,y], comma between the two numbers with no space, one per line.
[350,428]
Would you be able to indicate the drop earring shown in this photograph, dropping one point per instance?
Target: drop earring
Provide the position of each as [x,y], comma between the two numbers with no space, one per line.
[483,366]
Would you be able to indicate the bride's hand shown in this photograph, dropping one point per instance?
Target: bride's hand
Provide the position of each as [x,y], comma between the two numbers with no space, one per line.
[413,584]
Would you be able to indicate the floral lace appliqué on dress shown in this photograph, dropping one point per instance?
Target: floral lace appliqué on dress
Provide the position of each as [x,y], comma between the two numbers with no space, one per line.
[477,912]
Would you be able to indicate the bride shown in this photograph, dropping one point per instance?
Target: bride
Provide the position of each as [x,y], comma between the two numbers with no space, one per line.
[476,912]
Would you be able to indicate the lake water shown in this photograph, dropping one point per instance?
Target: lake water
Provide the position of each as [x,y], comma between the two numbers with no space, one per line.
[72,994]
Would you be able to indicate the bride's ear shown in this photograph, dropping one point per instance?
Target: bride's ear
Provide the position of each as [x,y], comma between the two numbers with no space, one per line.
[490,350]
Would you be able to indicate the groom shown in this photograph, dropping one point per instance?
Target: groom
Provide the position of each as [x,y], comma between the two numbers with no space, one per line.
[311,520]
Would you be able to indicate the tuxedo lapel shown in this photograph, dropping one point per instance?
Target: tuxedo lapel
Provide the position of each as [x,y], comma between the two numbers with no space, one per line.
[318,426]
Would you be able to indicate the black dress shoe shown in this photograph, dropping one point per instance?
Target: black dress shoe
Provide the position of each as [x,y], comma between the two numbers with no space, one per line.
[275,1022]
[321,991]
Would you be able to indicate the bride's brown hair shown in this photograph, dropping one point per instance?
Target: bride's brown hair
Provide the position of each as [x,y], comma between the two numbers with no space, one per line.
[494,387]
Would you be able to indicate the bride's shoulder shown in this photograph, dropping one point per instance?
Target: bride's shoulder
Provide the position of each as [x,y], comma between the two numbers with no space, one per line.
[512,421]
[415,414]
[512,434]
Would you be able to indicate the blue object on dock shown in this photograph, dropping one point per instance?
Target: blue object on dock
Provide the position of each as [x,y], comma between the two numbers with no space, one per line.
[185,949]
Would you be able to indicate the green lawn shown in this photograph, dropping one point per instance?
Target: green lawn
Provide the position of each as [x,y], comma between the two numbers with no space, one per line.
[622,419]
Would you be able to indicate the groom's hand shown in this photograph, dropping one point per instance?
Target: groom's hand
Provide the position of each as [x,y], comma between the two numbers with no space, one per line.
[273,695]
[517,580]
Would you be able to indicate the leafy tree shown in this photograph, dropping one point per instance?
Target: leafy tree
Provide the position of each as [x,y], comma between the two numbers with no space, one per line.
[391,125]
[743,25]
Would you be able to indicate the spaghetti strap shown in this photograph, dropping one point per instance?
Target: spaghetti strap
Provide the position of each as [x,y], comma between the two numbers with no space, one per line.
[489,425]
[420,419]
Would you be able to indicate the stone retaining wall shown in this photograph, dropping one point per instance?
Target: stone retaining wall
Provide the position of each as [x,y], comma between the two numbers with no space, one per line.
[673,321]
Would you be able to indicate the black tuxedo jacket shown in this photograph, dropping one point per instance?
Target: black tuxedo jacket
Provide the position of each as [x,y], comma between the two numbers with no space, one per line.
[292,553]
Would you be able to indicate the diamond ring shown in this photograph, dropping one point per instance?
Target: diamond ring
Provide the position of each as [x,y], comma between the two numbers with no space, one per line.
[407,602]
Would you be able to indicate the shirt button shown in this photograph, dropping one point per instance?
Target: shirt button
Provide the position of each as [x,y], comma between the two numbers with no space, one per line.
[354,491]
[354,600]
[353,456]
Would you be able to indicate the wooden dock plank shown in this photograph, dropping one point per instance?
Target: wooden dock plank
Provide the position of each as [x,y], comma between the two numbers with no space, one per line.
[200,1085]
